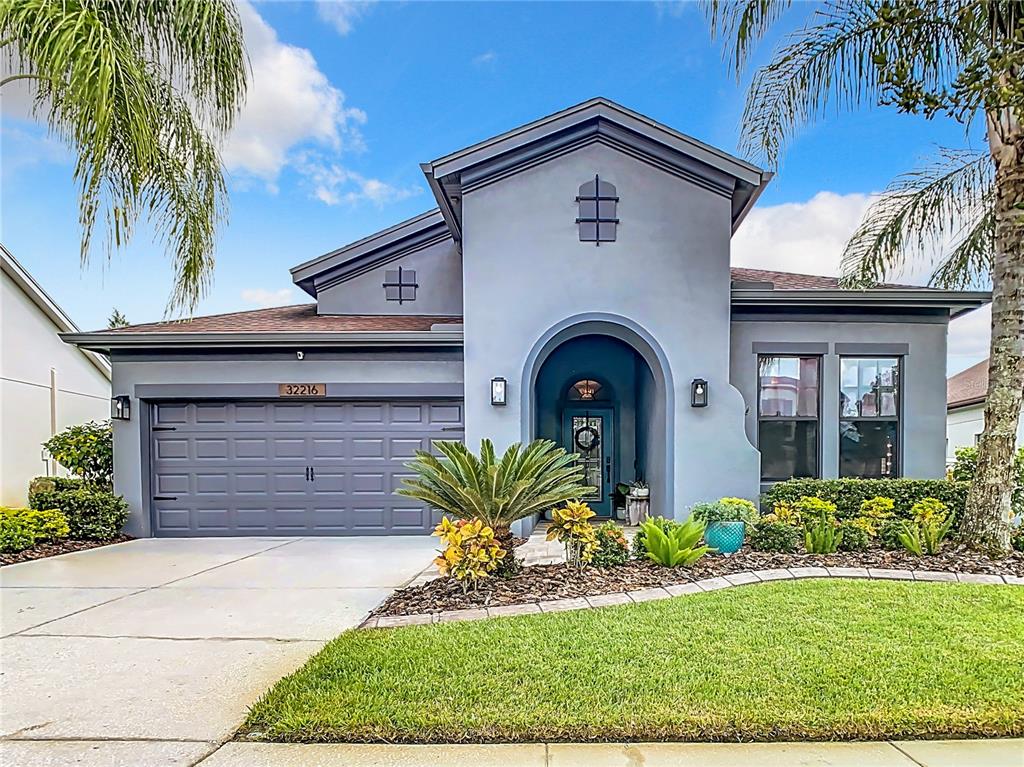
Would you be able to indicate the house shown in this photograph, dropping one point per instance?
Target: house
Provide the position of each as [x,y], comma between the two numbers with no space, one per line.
[45,385]
[965,409]
[573,283]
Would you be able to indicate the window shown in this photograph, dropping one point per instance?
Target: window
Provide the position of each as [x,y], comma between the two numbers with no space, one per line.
[787,416]
[598,204]
[869,416]
[400,285]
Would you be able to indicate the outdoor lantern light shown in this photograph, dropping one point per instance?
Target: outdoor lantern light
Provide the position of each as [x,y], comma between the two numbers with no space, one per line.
[699,393]
[499,388]
[121,407]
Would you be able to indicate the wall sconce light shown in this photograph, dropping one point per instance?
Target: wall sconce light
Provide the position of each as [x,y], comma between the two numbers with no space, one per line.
[121,407]
[499,391]
[699,393]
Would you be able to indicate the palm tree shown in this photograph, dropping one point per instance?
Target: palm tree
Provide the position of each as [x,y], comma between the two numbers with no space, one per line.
[141,91]
[961,59]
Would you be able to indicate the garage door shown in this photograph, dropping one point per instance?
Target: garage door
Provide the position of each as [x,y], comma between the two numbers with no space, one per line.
[292,468]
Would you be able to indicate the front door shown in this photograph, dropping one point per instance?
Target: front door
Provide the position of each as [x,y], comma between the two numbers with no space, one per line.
[588,432]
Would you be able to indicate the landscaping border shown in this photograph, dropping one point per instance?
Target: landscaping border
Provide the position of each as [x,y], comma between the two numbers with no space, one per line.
[683,589]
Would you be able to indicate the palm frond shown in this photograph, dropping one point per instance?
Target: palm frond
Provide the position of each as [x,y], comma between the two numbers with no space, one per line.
[947,205]
[742,23]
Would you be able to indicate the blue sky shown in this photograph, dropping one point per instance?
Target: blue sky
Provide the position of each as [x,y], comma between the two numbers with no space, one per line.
[348,99]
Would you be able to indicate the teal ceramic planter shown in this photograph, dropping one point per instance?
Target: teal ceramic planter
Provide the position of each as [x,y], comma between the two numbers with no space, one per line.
[727,537]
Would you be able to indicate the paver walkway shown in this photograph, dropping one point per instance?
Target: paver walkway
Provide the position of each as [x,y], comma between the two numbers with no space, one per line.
[149,652]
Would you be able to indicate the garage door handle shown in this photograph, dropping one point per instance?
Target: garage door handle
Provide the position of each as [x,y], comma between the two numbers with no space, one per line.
[165,428]
[453,428]
[165,497]
[312,474]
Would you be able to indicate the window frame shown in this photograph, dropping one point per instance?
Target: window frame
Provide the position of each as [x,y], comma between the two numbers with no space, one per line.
[819,359]
[898,418]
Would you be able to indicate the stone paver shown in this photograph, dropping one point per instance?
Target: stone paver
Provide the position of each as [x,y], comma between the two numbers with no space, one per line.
[713,584]
[741,579]
[777,574]
[682,589]
[847,572]
[979,578]
[808,572]
[648,595]
[934,575]
[529,608]
[563,605]
[609,600]
[392,621]
[456,616]
[891,575]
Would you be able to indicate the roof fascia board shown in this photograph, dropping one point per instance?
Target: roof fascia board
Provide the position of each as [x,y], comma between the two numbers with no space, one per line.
[444,203]
[965,403]
[957,302]
[365,262]
[107,341]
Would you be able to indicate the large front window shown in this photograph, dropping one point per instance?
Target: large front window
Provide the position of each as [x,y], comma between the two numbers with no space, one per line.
[869,416]
[787,416]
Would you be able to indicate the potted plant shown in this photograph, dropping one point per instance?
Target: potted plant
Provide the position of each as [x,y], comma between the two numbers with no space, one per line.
[619,499]
[727,520]
[640,489]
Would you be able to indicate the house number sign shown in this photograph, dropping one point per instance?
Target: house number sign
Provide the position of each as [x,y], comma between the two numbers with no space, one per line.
[302,390]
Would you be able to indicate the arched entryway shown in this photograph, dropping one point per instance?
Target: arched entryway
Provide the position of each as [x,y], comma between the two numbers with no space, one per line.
[600,389]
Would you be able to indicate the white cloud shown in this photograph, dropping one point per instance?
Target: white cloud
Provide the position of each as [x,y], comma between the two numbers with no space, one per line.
[333,184]
[290,102]
[485,59]
[264,298]
[342,14]
[969,338]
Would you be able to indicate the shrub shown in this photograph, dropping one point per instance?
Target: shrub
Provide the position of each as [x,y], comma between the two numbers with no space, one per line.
[849,494]
[821,535]
[725,510]
[23,528]
[1017,538]
[873,512]
[889,534]
[677,547]
[639,549]
[87,451]
[768,535]
[470,554]
[784,513]
[931,524]
[570,525]
[966,466]
[15,534]
[612,548]
[92,514]
[853,535]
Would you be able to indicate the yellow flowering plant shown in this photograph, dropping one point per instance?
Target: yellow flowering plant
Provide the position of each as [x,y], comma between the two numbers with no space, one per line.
[471,552]
[570,525]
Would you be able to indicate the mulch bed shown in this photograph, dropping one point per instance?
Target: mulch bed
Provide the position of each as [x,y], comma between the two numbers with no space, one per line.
[43,550]
[543,582]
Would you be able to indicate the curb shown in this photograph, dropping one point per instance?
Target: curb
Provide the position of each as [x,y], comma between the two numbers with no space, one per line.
[684,589]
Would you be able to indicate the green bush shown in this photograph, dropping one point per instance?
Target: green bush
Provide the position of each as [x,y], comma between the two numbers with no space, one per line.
[1017,538]
[677,547]
[612,548]
[889,534]
[966,466]
[821,534]
[774,536]
[87,451]
[725,510]
[855,537]
[92,514]
[849,494]
[932,522]
[639,549]
[21,529]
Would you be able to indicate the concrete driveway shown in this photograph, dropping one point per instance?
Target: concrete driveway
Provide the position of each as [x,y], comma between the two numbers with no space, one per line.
[149,652]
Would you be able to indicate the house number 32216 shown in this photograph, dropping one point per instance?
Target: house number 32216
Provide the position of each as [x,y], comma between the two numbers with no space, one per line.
[302,390]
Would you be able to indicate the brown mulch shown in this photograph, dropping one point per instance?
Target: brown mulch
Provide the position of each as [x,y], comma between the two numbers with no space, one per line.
[43,550]
[542,582]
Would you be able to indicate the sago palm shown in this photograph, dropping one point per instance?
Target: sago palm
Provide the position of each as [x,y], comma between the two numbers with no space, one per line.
[524,481]
[141,91]
[961,59]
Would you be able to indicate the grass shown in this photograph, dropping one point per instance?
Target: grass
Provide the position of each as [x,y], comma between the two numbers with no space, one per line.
[780,661]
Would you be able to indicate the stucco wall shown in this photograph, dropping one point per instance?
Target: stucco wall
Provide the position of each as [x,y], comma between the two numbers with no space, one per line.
[923,427]
[438,274]
[29,349]
[356,368]
[526,272]
[963,424]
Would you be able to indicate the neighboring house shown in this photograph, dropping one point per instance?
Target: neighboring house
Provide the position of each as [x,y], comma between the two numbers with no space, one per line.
[46,384]
[573,283]
[965,409]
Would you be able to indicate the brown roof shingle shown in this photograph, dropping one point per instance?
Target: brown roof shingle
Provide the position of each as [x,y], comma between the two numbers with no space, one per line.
[297,319]
[968,387]
[795,281]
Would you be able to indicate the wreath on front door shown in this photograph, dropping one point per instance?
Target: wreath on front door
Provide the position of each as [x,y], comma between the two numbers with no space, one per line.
[592,443]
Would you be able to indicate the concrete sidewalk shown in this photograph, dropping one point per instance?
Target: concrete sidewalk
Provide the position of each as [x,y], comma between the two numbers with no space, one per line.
[950,753]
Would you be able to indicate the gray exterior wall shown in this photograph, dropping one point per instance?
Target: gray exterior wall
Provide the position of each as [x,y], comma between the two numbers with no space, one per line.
[663,285]
[923,426]
[438,273]
[237,375]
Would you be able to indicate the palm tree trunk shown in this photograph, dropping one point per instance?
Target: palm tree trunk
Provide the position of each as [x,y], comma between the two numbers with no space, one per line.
[986,522]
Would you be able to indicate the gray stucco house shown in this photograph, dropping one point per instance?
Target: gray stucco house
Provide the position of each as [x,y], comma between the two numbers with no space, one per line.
[574,283]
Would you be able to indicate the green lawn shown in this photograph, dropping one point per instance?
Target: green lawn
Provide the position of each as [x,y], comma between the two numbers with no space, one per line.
[798,660]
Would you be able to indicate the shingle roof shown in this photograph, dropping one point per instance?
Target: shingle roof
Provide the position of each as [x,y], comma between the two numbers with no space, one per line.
[301,318]
[794,281]
[968,387]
